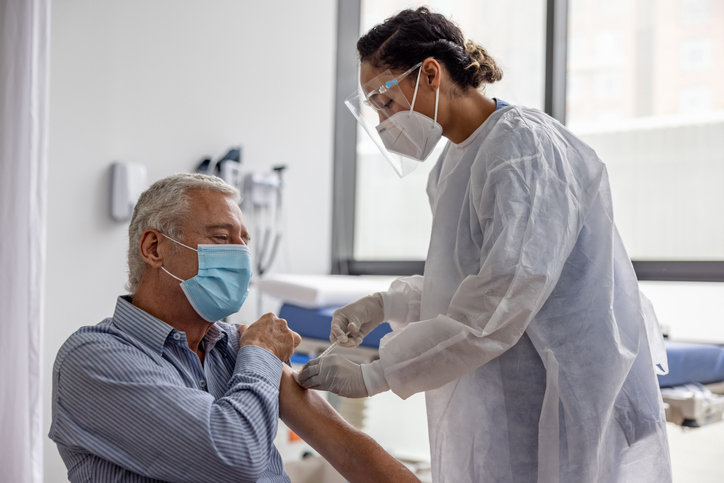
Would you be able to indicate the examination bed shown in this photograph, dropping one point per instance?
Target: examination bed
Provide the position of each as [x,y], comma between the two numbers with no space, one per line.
[693,386]
[692,389]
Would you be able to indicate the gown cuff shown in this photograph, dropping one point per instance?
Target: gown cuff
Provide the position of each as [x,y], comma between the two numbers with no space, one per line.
[374,378]
[395,306]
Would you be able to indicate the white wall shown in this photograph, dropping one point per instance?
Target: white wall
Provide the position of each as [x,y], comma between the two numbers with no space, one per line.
[164,83]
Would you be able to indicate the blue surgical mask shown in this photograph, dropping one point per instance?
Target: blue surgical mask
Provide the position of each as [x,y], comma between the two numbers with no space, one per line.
[222,284]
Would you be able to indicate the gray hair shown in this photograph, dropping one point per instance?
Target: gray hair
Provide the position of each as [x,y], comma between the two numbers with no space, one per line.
[163,207]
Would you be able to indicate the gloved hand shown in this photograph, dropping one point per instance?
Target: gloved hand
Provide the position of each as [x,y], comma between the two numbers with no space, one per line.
[358,319]
[335,374]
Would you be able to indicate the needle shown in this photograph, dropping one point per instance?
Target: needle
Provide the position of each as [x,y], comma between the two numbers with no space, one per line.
[332,347]
[327,351]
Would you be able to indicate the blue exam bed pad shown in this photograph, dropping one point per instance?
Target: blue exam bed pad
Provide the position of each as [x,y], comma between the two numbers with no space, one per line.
[693,363]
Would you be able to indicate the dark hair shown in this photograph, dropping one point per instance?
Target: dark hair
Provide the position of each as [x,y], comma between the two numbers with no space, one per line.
[412,36]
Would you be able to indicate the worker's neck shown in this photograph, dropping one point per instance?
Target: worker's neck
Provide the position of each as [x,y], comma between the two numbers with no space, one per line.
[174,309]
[466,114]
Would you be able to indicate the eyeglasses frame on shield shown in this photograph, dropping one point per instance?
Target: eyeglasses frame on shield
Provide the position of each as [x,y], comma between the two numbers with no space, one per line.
[387,86]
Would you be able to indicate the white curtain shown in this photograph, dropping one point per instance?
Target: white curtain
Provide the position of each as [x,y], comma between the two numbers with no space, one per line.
[24,63]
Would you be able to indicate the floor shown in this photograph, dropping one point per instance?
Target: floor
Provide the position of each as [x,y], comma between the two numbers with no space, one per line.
[697,455]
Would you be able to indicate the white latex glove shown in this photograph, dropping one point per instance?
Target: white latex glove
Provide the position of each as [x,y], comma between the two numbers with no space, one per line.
[335,374]
[351,323]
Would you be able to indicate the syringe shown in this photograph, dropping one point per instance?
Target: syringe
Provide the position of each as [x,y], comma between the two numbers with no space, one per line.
[329,349]
[332,347]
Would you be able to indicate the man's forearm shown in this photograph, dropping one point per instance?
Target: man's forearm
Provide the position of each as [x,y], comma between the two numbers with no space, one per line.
[351,452]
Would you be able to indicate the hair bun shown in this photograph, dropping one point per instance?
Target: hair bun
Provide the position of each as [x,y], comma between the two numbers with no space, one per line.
[412,36]
[486,70]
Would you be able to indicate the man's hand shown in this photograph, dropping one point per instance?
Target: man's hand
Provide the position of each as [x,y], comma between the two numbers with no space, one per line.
[334,374]
[270,333]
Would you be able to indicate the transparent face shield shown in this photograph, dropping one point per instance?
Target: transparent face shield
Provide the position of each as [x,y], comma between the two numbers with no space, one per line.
[374,104]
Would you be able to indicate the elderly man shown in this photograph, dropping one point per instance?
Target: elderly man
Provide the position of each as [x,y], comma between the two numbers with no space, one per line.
[164,391]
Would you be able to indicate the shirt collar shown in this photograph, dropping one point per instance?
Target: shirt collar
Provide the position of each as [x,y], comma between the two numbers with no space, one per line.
[152,331]
[143,326]
[213,336]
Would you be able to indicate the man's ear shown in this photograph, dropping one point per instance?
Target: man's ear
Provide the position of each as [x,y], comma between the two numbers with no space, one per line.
[149,248]
[431,72]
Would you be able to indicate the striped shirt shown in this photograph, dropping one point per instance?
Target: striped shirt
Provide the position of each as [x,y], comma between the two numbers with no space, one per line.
[132,403]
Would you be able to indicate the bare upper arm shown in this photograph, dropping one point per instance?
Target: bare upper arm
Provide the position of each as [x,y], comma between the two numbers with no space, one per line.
[350,451]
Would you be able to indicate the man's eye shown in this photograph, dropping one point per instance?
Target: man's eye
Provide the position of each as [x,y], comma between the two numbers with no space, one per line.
[221,237]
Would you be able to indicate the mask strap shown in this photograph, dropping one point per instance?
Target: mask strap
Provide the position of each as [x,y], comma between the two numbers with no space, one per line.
[414,96]
[175,241]
[174,276]
[186,246]
[417,84]
[437,98]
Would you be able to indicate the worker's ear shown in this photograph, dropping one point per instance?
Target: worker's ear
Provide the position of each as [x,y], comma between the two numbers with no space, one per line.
[431,72]
[149,248]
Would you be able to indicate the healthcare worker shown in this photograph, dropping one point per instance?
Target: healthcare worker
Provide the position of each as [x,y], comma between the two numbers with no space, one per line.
[527,331]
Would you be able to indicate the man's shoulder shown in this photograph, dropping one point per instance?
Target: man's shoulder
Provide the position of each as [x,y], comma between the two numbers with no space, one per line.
[102,331]
[91,343]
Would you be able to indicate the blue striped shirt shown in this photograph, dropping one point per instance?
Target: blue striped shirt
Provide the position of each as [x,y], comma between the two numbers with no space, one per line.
[132,403]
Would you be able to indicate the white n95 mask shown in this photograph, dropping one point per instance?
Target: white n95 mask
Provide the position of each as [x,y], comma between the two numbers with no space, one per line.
[222,283]
[403,136]
[410,133]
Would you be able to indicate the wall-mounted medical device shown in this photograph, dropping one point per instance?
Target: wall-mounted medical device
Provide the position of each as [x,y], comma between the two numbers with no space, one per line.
[128,181]
[261,189]
[228,167]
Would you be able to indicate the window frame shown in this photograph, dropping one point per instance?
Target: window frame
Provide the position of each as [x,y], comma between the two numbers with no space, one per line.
[345,154]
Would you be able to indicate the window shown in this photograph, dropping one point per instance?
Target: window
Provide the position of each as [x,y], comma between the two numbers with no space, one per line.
[576,48]
[658,139]
[607,8]
[608,85]
[696,55]
[695,99]
[695,12]
[392,217]
[608,45]
[637,84]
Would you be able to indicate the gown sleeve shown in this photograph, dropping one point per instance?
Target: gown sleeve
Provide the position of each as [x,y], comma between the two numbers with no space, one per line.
[530,210]
[402,301]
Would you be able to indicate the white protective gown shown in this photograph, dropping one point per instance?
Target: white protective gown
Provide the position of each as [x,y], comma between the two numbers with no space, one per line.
[527,331]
